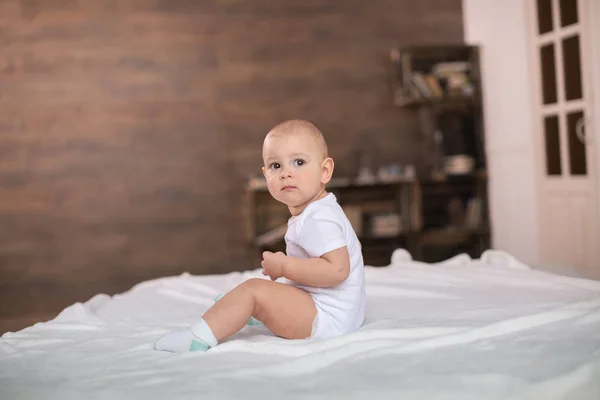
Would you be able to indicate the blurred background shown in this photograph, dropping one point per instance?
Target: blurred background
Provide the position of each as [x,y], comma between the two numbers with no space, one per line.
[130,129]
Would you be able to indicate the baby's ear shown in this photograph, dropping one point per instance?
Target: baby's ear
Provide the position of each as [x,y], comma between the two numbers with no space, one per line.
[263,171]
[327,170]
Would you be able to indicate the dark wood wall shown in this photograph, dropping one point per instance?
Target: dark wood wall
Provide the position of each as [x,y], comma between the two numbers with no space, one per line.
[128,128]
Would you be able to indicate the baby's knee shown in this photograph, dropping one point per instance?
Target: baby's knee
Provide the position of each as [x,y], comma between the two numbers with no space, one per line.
[254,285]
[259,289]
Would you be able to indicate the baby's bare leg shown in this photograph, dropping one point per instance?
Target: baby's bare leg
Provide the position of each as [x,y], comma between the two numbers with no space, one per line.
[286,310]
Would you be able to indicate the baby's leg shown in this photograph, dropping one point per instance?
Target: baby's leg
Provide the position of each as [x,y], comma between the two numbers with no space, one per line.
[252,321]
[288,311]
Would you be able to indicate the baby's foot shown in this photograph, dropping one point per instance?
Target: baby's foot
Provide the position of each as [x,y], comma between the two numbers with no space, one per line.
[252,321]
[198,337]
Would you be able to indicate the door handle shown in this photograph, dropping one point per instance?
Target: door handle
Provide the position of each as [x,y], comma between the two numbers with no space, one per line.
[580,130]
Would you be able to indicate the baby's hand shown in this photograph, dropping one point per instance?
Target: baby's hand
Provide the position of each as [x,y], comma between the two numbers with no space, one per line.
[272,264]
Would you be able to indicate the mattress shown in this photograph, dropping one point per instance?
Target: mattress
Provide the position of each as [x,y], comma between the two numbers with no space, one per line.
[489,328]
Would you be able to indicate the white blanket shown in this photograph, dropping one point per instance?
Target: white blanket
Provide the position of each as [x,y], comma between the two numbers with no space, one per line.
[464,329]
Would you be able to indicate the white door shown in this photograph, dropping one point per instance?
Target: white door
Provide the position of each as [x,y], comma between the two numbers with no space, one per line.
[562,65]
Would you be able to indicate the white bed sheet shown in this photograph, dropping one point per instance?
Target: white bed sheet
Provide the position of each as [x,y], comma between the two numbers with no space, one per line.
[464,329]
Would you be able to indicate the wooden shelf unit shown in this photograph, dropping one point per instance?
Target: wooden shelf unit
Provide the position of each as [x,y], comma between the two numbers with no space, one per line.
[422,232]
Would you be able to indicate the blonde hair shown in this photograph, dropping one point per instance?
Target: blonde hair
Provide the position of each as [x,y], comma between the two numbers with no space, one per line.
[296,126]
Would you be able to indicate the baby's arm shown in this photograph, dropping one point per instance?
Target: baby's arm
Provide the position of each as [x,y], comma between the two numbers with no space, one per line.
[328,270]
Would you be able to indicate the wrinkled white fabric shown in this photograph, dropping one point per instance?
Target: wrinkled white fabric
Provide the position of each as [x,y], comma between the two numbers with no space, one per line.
[463,329]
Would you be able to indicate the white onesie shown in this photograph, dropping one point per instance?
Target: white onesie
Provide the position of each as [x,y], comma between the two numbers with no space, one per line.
[320,228]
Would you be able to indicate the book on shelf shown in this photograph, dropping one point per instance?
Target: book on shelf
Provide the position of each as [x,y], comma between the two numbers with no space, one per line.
[438,80]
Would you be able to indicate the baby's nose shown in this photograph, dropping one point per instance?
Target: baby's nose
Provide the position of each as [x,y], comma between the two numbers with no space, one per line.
[286,172]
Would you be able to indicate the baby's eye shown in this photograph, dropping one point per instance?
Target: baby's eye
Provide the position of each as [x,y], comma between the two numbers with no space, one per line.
[275,166]
[298,162]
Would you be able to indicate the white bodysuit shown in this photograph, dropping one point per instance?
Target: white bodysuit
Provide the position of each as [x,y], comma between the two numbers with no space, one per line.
[320,228]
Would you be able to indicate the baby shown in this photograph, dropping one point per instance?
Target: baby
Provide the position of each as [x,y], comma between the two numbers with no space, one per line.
[322,293]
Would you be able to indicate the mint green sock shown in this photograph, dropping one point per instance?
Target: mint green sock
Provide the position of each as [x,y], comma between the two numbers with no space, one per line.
[198,345]
[252,321]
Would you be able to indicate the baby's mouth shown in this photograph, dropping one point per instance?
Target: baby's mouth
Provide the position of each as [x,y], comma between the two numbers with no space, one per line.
[287,188]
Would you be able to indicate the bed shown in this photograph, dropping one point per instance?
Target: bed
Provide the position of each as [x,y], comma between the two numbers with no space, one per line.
[489,328]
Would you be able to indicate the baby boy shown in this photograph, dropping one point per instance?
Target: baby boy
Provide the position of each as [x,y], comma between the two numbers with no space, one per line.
[322,290]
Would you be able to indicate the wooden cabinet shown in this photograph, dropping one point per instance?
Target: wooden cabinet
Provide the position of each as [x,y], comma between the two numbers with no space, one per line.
[433,220]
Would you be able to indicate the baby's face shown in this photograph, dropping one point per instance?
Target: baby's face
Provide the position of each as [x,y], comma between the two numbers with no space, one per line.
[293,168]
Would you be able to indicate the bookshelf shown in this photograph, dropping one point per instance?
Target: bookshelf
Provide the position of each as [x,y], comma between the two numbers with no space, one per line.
[442,83]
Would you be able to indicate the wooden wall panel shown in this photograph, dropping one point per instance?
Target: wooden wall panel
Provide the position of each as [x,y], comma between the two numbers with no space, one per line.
[128,128]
